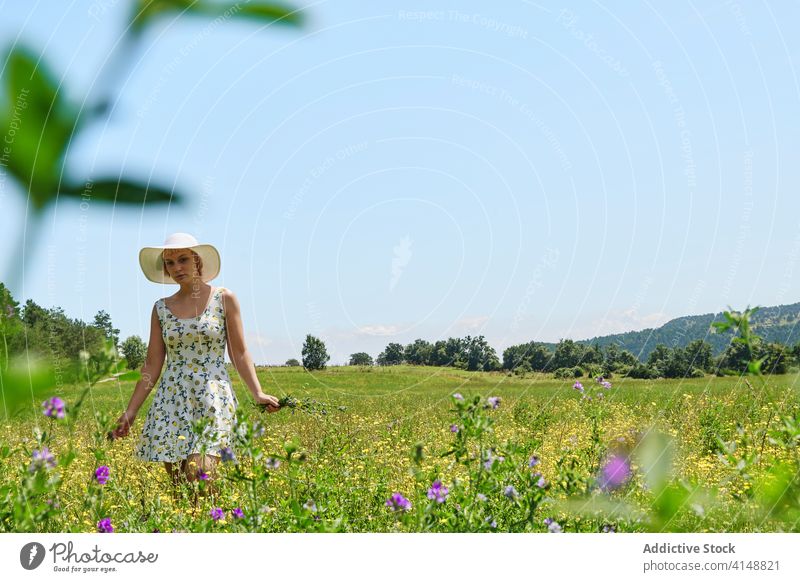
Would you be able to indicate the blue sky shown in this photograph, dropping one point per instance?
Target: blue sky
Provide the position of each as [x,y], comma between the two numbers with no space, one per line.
[397,170]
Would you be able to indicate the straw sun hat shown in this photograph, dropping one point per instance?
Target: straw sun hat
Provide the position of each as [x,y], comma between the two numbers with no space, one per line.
[152,262]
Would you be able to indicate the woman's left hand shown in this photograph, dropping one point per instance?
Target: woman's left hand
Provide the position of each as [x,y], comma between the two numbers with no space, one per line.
[269,401]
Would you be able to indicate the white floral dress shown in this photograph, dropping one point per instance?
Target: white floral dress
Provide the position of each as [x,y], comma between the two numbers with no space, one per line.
[194,406]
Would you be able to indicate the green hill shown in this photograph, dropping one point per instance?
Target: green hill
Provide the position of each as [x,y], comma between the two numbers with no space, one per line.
[773,324]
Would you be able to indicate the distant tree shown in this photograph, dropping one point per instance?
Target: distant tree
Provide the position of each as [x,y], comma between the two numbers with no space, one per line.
[676,364]
[292,362]
[391,356]
[592,355]
[418,353]
[102,320]
[480,355]
[134,350]
[568,354]
[699,355]
[450,352]
[10,324]
[360,359]
[657,360]
[315,356]
[775,357]
[643,371]
[796,354]
[615,357]
[737,356]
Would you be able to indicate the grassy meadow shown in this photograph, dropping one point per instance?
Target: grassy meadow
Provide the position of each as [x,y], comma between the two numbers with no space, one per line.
[704,454]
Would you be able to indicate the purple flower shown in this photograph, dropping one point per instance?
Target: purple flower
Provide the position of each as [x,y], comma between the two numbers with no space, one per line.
[541,483]
[552,525]
[453,428]
[397,502]
[615,472]
[202,475]
[493,401]
[42,459]
[273,463]
[310,505]
[490,520]
[533,461]
[600,379]
[490,459]
[238,513]
[458,396]
[101,474]
[608,529]
[510,492]
[54,407]
[217,514]
[578,386]
[227,455]
[104,526]
[480,497]
[438,491]
[606,384]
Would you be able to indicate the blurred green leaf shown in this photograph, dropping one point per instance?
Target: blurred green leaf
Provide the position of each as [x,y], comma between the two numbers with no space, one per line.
[597,506]
[128,376]
[147,10]
[654,457]
[38,123]
[28,382]
[121,192]
[777,492]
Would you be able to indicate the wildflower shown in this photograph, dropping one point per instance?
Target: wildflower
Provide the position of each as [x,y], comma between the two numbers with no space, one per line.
[540,481]
[600,379]
[273,463]
[510,492]
[54,407]
[490,459]
[397,502]
[490,520]
[480,497]
[438,492]
[238,513]
[42,459]
[227,455]
[533,461]
[310,505]
[104,526]
[606,384]
[458,396]
[615,472]
[202,475]
[493,401]
[552,525]
[101,474]
[217,514]
[609,529]
[181,437]
[453,428]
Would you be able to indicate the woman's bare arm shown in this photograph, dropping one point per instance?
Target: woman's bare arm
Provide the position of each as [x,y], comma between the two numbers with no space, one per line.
[151,370]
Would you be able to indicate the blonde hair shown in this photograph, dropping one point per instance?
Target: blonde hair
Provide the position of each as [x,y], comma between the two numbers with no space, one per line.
[197,261]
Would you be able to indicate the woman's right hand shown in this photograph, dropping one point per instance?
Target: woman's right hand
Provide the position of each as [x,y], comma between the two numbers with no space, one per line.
[124,423]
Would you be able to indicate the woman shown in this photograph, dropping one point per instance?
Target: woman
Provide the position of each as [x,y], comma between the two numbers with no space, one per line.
[190,423]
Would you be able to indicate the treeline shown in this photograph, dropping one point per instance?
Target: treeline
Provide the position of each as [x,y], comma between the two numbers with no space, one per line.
[778,324]
[572,359]
[51,335]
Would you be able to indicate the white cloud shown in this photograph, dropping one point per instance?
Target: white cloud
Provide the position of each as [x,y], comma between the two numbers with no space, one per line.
[378,329]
